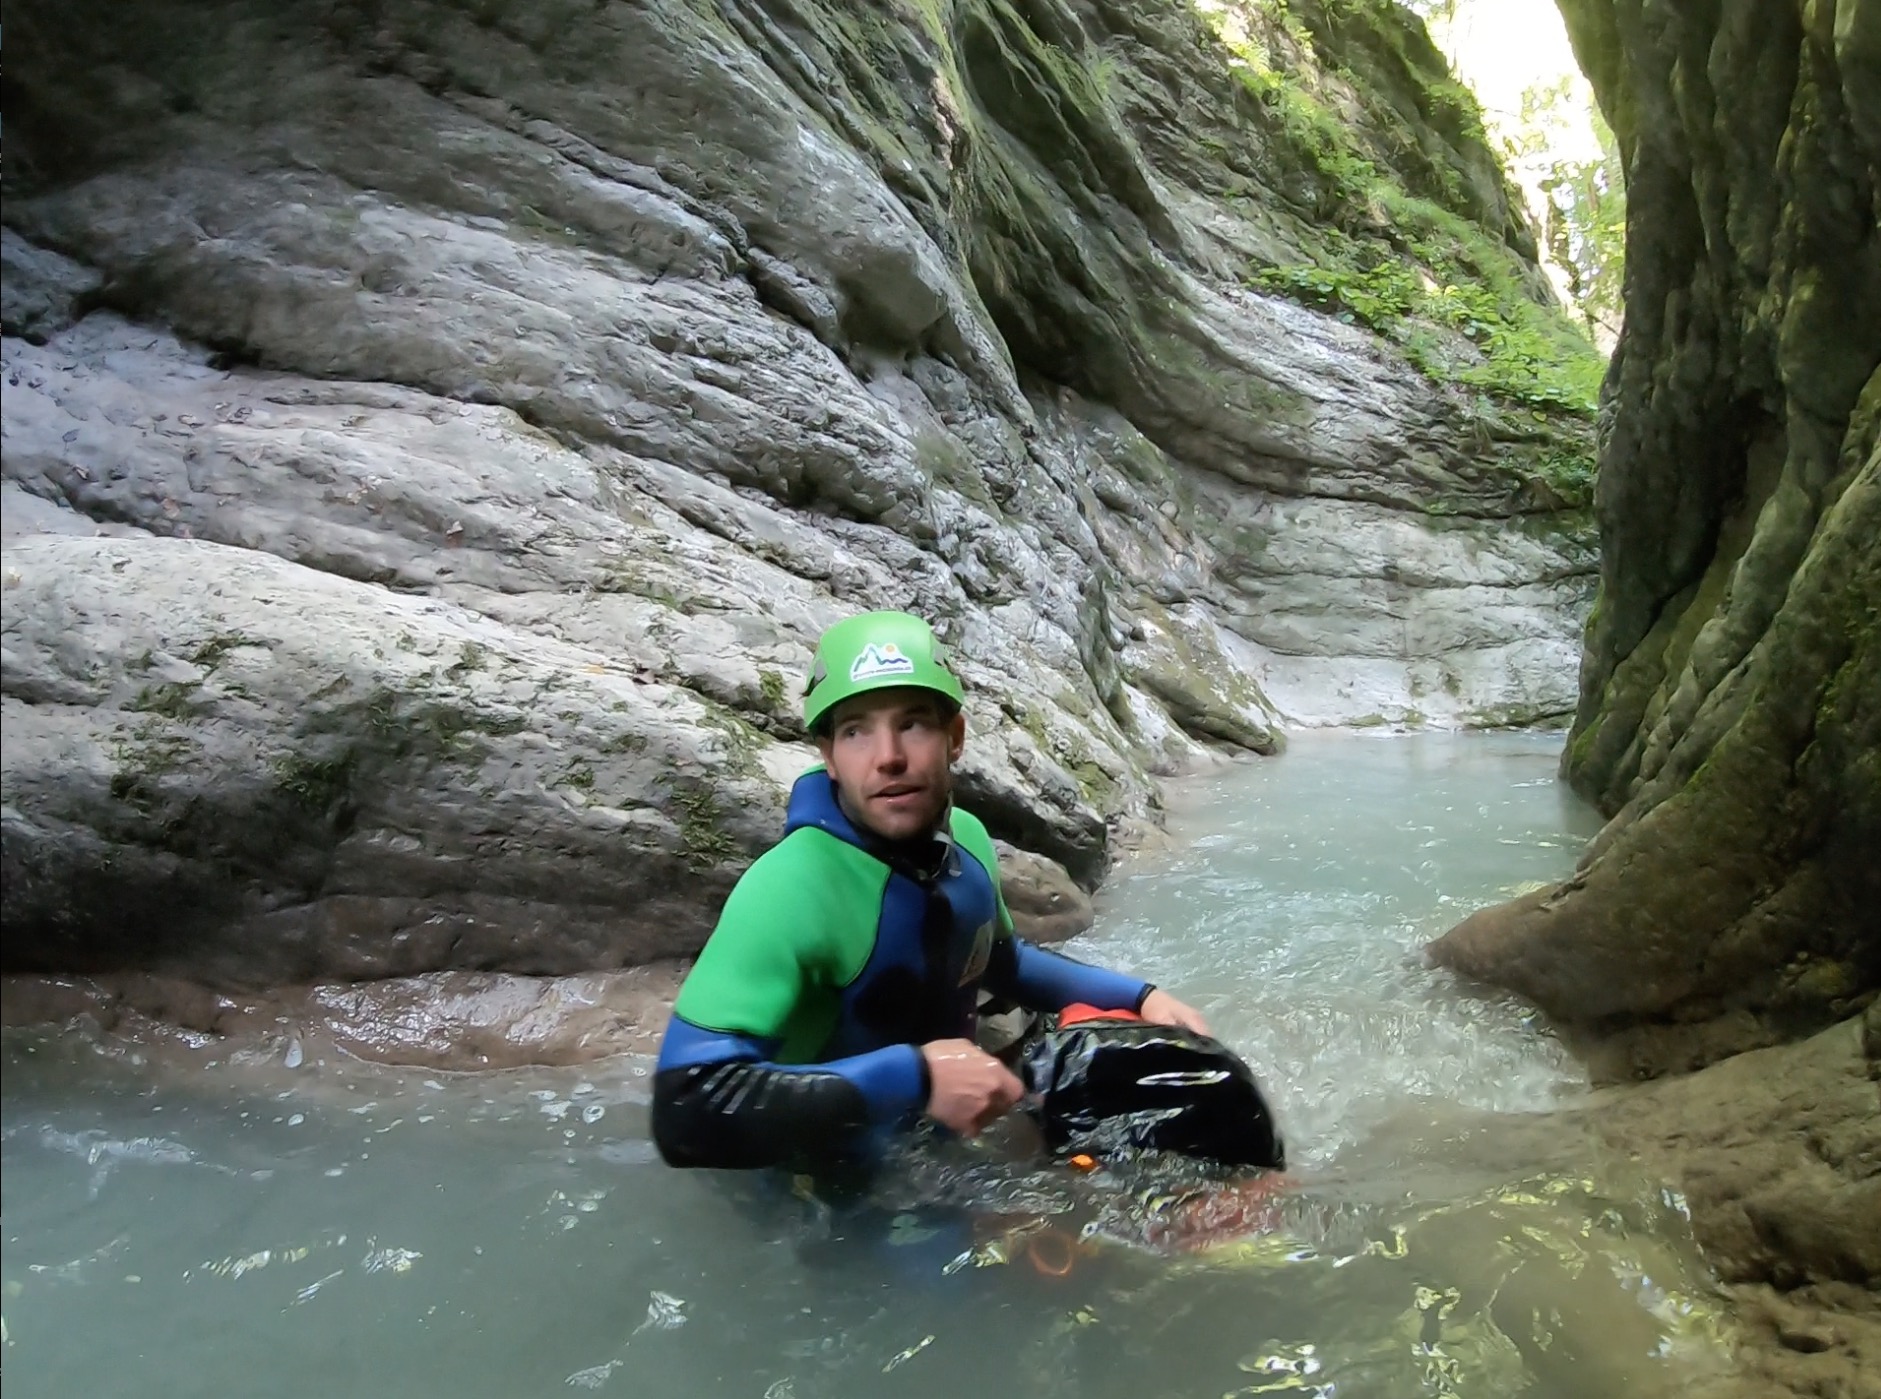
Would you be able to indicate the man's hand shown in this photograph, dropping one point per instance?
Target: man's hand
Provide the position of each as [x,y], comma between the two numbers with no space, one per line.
[968,1087]
[1162,1008]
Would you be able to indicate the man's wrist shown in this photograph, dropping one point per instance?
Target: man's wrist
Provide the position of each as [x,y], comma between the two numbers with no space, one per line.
[926,1088]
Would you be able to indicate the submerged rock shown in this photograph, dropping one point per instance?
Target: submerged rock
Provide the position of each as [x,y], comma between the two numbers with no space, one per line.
[1778,1152]
[1777,1155]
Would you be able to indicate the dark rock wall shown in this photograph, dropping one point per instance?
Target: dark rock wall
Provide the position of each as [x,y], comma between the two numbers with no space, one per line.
[1730,714]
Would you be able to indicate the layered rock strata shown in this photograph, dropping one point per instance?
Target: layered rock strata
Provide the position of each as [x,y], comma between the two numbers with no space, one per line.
[435,435]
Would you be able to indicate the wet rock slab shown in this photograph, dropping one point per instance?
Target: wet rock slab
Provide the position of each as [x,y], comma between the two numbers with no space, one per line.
[460,1021]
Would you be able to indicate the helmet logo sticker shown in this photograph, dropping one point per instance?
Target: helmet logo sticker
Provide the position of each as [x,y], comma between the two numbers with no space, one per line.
[877,661]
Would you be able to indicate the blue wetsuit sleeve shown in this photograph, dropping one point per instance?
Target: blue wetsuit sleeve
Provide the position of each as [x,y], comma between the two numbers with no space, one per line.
[720,1100]
[1051,981]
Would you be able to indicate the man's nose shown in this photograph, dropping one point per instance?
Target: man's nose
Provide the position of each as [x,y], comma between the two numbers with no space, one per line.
[889,752]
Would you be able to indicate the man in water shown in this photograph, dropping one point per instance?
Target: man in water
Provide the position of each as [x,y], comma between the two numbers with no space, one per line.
[835,1001]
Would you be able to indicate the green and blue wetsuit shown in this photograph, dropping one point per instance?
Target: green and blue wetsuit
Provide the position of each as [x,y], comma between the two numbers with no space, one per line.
[795,1036]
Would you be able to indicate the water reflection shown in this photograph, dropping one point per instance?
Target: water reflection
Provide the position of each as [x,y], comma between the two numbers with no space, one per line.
[309,1230]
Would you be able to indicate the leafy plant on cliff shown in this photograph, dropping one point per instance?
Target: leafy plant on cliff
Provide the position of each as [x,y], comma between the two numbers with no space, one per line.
[1378,296]
[1454,297]
[1315,137]
[1515,349]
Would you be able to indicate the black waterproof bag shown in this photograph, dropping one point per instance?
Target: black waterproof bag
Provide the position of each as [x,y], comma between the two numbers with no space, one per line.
[1106,1084]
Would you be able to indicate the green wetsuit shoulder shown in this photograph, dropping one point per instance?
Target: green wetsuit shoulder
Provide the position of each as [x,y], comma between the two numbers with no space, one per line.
[797,928]
[973,837]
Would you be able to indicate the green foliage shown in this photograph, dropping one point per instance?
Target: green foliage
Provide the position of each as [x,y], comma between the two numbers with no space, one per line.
[1483,291]
[1315,137]
[1443,11]
[623,577]
[1335,77]
[209,655]
[1583,215]
[1458,302]
[1435,269]
[421,724]
[1569,471]
[1581,208]
[1378,296]
[1454,109]
[470,657]
[170,700]
[1523,360]
[1277,15]
[1584,227]
[1521,353]
[744,742]
[140,760]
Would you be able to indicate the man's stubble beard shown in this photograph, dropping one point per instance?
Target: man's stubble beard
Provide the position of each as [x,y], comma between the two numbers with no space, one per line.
[935,823]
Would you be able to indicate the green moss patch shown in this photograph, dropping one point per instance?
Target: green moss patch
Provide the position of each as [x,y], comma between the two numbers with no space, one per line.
[316,783]
[702,831]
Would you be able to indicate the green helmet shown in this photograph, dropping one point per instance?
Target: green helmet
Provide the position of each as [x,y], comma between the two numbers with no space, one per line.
[876,651]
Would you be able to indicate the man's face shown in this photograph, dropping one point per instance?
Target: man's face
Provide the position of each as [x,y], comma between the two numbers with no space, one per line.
[891,753]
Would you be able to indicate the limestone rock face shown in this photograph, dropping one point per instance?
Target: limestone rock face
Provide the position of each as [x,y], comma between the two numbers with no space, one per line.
[434,438]
[40,292]
[1730,712]
[307,776]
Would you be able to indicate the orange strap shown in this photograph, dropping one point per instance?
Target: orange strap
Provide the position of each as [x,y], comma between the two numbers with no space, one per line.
[1077,1013]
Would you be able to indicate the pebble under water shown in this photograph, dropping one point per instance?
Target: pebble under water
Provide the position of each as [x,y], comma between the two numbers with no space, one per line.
[256,1229]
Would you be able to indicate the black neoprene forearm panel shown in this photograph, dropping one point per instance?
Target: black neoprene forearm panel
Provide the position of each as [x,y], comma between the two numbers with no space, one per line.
[741,1115]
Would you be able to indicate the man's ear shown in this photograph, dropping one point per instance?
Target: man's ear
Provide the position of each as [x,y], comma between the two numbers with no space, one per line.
[956,736]
[825,746]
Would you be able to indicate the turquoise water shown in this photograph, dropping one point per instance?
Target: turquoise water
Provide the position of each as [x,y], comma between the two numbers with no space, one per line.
[250,1229]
